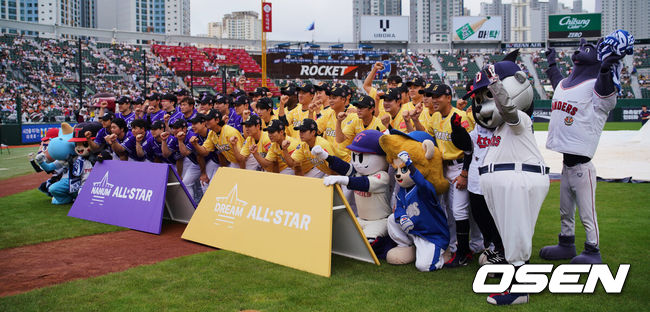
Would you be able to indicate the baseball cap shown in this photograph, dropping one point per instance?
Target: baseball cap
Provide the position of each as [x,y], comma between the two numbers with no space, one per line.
[198,118]
[237,93]
[138,100]
[503,69]
[402,87]
[306,86]
[253,120]
[417,81]
[50,134]
[395,79]
[170,97]
[241,100]
[288,90]
[213,114]
[367,141]
[307,125]
[179,123]
[154,97]
[158,124]
[274,126]
[259,91]
[123,100]
[436,90]
[107,116]
[322,86]
[265,103]
[80,131]
[221,98]
[393,94]
[183,92]
[337,90]
[364,101]
[206,99]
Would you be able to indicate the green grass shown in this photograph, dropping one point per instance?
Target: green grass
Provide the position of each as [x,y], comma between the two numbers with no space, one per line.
[225,281]
[14,162]
[30,218]
[609,126]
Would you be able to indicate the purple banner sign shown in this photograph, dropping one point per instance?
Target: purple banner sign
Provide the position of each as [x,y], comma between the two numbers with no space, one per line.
[124,193]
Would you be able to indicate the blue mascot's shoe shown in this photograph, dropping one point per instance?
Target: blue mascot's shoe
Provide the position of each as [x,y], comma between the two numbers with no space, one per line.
[507,298]
[591,255]
[566,249]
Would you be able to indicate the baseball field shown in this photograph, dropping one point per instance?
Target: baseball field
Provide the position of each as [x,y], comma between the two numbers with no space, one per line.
[51,262]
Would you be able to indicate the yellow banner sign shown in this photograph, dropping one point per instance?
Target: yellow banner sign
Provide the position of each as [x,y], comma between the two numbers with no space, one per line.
[278,218]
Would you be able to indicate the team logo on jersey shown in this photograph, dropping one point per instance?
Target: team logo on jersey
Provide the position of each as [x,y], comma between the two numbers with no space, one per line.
[484,142]
[565,107]
[568,120]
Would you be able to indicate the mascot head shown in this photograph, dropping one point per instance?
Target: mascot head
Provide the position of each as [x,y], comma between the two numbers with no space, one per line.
[514,80]
[586,55]
[367,156]
[59,147]
[82,148]
[426,157]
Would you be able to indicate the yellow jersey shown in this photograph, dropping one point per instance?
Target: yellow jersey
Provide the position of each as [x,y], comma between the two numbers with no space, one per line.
[327,126]
[355,126]
[442,131]
[398,122]
[295,117]
[221,142]
[274,154]
[426,119]
[303,155]
[379,102]
[263,145]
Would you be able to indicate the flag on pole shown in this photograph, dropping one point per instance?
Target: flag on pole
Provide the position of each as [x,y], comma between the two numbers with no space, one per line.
[311,26]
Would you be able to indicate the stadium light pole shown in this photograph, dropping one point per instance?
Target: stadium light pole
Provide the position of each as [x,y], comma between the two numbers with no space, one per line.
[81,84]
[144,57]
[192,77]
[263,45]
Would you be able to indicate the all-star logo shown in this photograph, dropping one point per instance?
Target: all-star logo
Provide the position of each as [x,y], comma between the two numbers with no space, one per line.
[100,190]
[228,208]
[568,120]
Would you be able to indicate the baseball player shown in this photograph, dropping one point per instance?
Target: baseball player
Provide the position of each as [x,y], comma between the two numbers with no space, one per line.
[415,85]
[364,120]
[187,111]
[274,161]
[133,141]
[154,108]
[98,143]
[456,200]
[302,160]
[579,110]
[194,166]
[220,138]
[391,82]
[264,109]
[152,147]
[329,124]
[235,118]
[256,139]
[393,119]
[119,132]
[295,116]
[125,111]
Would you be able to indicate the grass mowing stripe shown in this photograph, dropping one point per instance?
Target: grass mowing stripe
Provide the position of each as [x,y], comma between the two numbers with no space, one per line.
[30,218]
[225,281]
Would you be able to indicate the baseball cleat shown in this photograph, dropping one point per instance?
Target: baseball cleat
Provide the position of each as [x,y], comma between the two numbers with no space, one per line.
[458,260]
[492,257]
[507,298]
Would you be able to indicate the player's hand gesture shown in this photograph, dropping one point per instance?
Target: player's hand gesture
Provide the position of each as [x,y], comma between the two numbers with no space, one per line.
[88,135]
[284,99]
[103,104]
[110,138]
[245,114]
[460,104]
[180,136]
[378,66]
[164,135]
[167,117]
[385,119]
[406,115]
[252,148]
[204,178]
[233,140]
[341,116]
[319,152]
[138,111]
[150,109]
[194,140]
[285,144]
[139,138]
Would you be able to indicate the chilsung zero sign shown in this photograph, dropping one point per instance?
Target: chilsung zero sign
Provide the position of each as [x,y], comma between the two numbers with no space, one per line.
[565,26]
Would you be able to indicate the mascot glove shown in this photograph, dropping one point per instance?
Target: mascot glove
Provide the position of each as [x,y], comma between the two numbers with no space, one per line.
[336,179]
[550,56]
[40,158]
[319,152]
[406,223]
[405,157]
[506,107]
[612,59]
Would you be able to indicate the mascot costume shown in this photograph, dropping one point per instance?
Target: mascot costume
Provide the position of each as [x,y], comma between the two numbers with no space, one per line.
[69,151]
[513,177]
[367,176]
[418,224]
[579,110]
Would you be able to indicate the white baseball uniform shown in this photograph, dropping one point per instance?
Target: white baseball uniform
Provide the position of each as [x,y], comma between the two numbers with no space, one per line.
[515,196]
[578,115]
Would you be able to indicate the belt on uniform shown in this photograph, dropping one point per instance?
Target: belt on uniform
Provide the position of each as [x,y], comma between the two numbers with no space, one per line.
[451,162]
[511,166]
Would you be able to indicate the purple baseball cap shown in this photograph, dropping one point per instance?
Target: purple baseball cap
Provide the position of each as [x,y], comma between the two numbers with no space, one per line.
[503,69]
[367,141]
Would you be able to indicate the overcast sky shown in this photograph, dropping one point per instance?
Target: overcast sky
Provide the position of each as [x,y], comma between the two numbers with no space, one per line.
[333,18]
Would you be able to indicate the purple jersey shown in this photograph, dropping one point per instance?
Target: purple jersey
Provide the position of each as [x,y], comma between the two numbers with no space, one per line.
[153,149]
[99,138]
[128,118]
[130,143]
[159,115]
[212,156]
[182,116]
[172,144]
[234,120]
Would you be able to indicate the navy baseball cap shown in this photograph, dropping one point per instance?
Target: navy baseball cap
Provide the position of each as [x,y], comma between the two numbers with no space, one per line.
[265,103]
[417,81]
[123,100]
[154,97]
[206,99]
[307,125]
[367,141]
[322,86]
[436,90]
[158,124]
[183,92]
[393,94]
[259,91]
[241,100]
[288,90]
[364,101]
[213,114]
[503,69]
[253,120]
[237,93]
[198,118]
[179,123]
[170,97]
[274,126]
[306,86]
[221,99]
[337,90]
[108,116]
